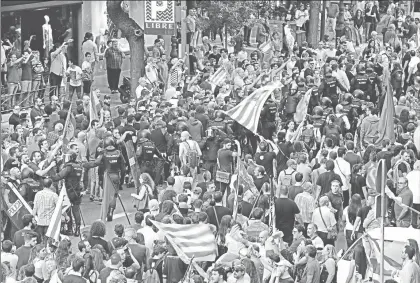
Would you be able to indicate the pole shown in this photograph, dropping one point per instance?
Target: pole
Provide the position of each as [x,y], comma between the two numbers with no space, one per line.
[184,45]
[383,203]
[118,195]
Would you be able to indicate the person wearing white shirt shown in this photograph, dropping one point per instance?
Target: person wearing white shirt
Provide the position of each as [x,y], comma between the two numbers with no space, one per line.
[7,255]
[342,169]
[74,72]
[149,234]
[413,179]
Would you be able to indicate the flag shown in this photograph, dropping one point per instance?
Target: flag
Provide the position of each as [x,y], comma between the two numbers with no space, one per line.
[109,191]
[247,113]
[63,204]
[195,240]
[389,263]
[94,106]
[191,240]
[298,132]
[244,179]
[272,215]
[69,127]
[218,77]
[265,47]
[132,161]
[386,121]
[14,205]
[302,107]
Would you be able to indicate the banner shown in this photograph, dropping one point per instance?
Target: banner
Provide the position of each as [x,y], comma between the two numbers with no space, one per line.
[132,160]
[15,206]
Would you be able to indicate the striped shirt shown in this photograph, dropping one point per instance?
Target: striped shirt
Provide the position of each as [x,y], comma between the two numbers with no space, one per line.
[114,58]
[306,205]
[44,205]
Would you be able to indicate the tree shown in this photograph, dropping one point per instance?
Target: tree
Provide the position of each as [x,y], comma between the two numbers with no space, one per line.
[232,15]
[135,37]
[314,23]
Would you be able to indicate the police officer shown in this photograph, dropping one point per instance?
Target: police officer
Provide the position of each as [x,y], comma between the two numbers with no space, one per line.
[268,119]
[146,150]
[219,122]
[28,186]
[328,87]
[360,81]
[113,161]
[72,173]
[373,83]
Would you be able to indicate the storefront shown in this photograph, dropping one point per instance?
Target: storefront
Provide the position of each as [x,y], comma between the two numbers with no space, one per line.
[67,19]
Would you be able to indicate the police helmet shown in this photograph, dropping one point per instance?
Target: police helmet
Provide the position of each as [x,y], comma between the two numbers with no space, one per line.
[27,173]
[326,102]
[108,141]
[347,99]
[369,66]
[318,111]
[145,134]
[361,69]
[358,93]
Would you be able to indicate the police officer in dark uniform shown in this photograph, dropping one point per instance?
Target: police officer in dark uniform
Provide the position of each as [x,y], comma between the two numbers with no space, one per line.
[72,173]
[28,186]
[268,119]
[373,83]
[360,81]
[146,150]
[219,122]
[328,87]
[113,161]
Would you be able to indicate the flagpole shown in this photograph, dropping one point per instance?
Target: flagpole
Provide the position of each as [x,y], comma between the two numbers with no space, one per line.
[383,203]
[237,180]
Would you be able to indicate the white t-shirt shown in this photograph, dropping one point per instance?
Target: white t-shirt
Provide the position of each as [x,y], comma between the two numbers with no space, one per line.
[328,216]
[75,75]
[414,185]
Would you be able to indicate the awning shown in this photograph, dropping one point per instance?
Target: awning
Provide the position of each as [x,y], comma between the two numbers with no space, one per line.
[37,5]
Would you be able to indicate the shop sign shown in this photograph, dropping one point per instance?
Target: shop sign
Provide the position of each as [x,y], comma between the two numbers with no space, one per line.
[159,17]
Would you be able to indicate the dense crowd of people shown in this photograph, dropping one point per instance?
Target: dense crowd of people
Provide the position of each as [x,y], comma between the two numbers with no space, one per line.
[313,158]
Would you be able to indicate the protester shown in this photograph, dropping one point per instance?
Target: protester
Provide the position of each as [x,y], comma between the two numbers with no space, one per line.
[259,162]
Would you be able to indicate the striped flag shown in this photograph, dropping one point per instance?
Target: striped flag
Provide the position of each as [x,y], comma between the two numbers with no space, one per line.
[191,241]
[302,107]
[63,204]
[218,77]
[265,47]
[95,106]
[69,127]
[244,179]
[247,113]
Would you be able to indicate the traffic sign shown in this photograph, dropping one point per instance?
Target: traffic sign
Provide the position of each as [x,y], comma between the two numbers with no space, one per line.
[159,18]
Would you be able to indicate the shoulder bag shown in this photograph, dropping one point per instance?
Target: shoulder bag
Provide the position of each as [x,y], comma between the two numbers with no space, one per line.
[332,232]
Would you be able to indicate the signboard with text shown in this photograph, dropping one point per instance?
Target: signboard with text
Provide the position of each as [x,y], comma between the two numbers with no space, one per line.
[159,18]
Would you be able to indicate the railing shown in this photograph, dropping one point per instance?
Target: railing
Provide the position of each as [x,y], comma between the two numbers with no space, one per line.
[6,98]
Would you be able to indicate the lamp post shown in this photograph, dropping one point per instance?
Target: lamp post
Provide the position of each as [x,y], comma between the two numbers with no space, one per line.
[339,28]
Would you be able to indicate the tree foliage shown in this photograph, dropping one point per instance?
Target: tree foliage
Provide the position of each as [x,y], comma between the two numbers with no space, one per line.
[232,14]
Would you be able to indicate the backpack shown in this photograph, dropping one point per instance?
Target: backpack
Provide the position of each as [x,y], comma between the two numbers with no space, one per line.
[287,178]
[308,137]
[192,156]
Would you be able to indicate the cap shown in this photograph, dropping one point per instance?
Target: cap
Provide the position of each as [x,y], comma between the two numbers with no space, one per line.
[185,134]
[153,205]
